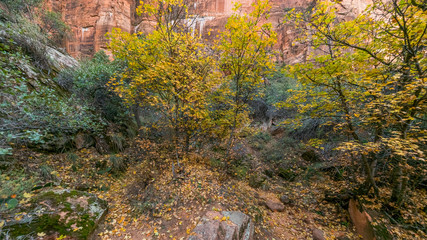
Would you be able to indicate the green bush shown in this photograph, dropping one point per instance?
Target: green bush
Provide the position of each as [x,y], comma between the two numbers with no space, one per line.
[259,140]
[278,86]
[53,26]
[88,83]
[43,111]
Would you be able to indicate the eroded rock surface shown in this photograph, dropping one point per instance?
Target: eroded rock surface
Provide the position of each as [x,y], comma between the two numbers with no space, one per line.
[224,226]
[91,20]
[55,212]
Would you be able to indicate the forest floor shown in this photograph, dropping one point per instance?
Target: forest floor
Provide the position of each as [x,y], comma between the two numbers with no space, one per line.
[147,202]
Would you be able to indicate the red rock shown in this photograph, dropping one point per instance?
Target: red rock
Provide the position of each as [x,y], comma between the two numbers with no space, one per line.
[91,20]
[318,234]
[275,206]
[361,220]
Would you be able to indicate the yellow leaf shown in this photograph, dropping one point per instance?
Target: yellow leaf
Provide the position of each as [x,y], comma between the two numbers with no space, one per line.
[28,195]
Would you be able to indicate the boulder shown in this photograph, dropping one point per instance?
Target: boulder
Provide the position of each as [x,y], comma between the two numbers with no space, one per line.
[361,220]
[275,206]
[224,226]
[318,234]
[53,213]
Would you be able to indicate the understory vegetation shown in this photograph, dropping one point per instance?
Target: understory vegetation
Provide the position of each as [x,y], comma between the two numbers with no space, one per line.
[175,126]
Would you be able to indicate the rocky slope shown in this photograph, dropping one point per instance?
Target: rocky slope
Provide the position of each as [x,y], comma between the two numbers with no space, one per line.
[91,20]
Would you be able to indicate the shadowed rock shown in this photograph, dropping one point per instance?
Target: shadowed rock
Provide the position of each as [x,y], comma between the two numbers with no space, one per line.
[224,226]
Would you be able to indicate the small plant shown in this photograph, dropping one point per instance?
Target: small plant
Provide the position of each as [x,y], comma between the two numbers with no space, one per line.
[240,171]
[118,164]
[5,151]
[14,187]
[287,174]
[256,180]
[259,140]
[46,173]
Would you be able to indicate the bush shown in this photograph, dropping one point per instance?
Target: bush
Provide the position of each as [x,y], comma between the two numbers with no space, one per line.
[53,26]
[88,83]
[278,86]
[259,140]
[30,96]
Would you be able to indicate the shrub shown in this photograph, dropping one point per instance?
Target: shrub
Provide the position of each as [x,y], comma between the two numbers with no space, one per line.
[88,84]
[53,26]
[278,86]
[43,111]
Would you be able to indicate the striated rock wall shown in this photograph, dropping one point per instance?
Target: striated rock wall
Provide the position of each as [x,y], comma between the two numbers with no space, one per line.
[90,20]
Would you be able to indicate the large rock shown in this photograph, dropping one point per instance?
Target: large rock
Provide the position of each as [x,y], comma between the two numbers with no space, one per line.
[56,60]
[224,226]
[361,220]
[53,213]
[274,206]
[318,234]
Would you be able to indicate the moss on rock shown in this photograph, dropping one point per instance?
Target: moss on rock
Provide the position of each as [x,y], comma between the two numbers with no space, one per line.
[65,212]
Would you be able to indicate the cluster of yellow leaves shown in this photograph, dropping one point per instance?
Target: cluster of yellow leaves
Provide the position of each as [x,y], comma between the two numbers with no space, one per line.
[174,72]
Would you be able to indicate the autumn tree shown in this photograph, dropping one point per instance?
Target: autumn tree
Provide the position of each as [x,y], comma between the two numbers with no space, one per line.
[244,58]
[369,77]
[169,70]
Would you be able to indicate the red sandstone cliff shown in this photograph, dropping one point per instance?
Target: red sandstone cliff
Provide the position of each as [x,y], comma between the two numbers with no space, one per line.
[91,19]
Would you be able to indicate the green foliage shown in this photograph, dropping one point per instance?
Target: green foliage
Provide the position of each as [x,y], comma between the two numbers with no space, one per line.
[13,187]
[256,180]
[287,174]
[43,110]
[5,151]
[53,26]
[259,140]
[118,163]
[240,171]
[88,84]
[278,86]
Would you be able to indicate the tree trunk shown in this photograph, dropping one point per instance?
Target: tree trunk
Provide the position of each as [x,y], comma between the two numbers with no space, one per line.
[400,183]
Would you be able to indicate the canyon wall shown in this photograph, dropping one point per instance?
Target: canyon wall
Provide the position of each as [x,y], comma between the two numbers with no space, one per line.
[90,20]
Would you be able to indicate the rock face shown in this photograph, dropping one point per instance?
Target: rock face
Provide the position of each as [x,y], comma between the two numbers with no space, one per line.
[90,20]
[53,213]
[224,226]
